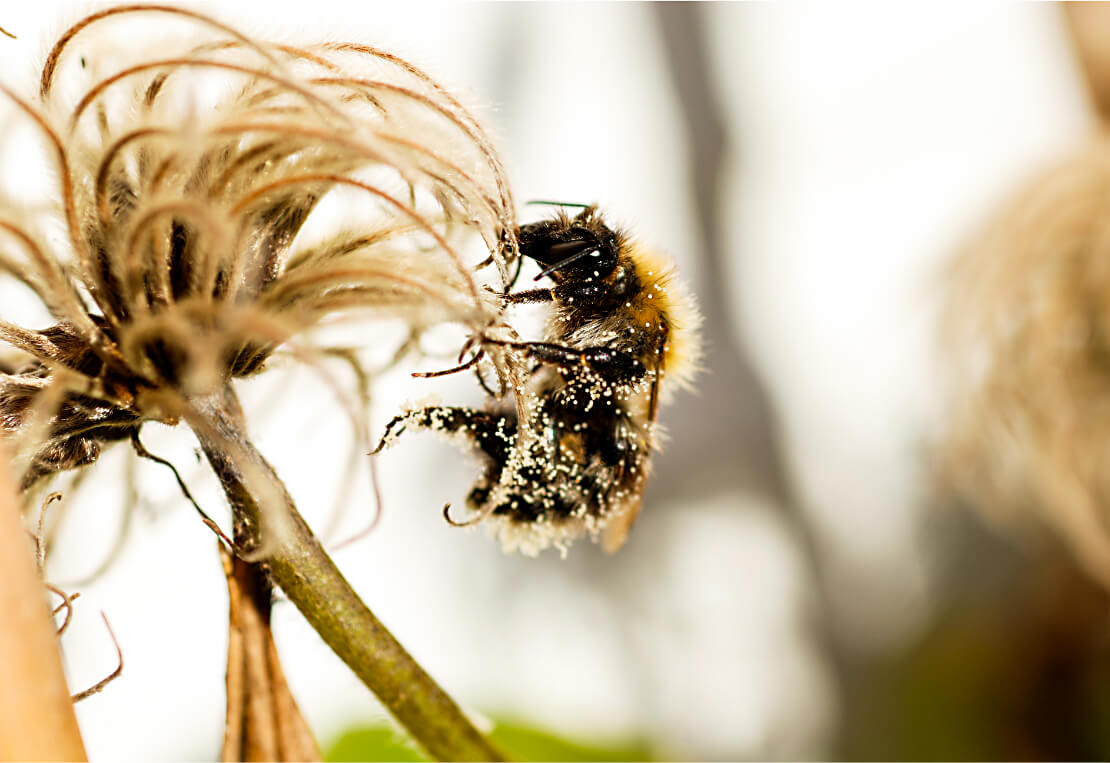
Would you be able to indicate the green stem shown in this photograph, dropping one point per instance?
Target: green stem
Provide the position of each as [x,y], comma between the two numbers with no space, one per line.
[302,569]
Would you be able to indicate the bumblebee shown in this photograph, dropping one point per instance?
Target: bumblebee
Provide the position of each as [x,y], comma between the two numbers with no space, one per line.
[572,455]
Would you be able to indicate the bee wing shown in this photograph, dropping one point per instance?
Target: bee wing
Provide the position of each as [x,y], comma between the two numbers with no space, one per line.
[616,531]
[653,401]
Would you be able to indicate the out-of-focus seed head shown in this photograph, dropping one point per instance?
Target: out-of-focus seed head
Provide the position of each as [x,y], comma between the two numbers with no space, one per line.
[1029,333]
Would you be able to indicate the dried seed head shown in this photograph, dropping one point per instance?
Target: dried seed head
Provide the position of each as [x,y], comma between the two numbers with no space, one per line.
[1029,329]
[187,171]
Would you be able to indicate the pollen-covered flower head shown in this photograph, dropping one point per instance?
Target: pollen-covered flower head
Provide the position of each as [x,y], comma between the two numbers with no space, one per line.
[1029,322]
[191,162]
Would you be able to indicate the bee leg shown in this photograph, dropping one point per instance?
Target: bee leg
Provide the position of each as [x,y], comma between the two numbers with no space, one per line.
[531,296]
[492,433]
[606,362]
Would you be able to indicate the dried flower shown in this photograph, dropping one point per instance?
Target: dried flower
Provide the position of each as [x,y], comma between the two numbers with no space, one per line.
[1029,326]
[187,167]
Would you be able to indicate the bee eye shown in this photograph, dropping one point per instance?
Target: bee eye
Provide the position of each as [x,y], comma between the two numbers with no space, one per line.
[574,258]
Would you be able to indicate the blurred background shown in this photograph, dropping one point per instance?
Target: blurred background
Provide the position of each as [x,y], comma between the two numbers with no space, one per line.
[798,586]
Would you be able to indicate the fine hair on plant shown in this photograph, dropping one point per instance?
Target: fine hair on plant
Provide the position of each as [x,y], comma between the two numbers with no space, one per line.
[187,162]
[218,201]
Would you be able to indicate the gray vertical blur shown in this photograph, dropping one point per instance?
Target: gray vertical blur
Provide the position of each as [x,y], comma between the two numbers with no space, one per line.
[730,417]
[727,437]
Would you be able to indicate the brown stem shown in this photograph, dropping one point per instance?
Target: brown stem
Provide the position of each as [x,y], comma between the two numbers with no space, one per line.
[36,714]
[263,720]
[304,571]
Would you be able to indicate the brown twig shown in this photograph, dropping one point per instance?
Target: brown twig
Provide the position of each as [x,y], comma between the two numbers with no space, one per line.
[306,574]
[40,545]
[67,605]
[99,685]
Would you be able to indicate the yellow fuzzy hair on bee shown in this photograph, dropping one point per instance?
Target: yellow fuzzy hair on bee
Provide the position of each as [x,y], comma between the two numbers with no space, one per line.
[682,354]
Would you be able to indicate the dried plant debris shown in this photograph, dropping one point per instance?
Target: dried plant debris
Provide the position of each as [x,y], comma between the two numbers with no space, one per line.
[100,685]
[191,171]
[1029,329]
[263,721]
[67,599]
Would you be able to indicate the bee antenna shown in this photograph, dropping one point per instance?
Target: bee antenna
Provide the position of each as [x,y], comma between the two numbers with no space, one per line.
[560,204]
[567,261]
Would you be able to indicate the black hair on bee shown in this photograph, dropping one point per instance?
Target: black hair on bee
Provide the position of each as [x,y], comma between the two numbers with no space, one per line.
[571,457]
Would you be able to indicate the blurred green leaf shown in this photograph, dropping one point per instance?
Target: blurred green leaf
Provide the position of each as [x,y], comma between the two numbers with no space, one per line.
[519,741]
[523,742]
[372,743]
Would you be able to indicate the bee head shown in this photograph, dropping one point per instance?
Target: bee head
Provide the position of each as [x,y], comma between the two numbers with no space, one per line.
[578,249]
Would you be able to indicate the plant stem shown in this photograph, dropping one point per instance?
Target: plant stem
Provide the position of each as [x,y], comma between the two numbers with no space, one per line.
[302,569]
[36,712]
